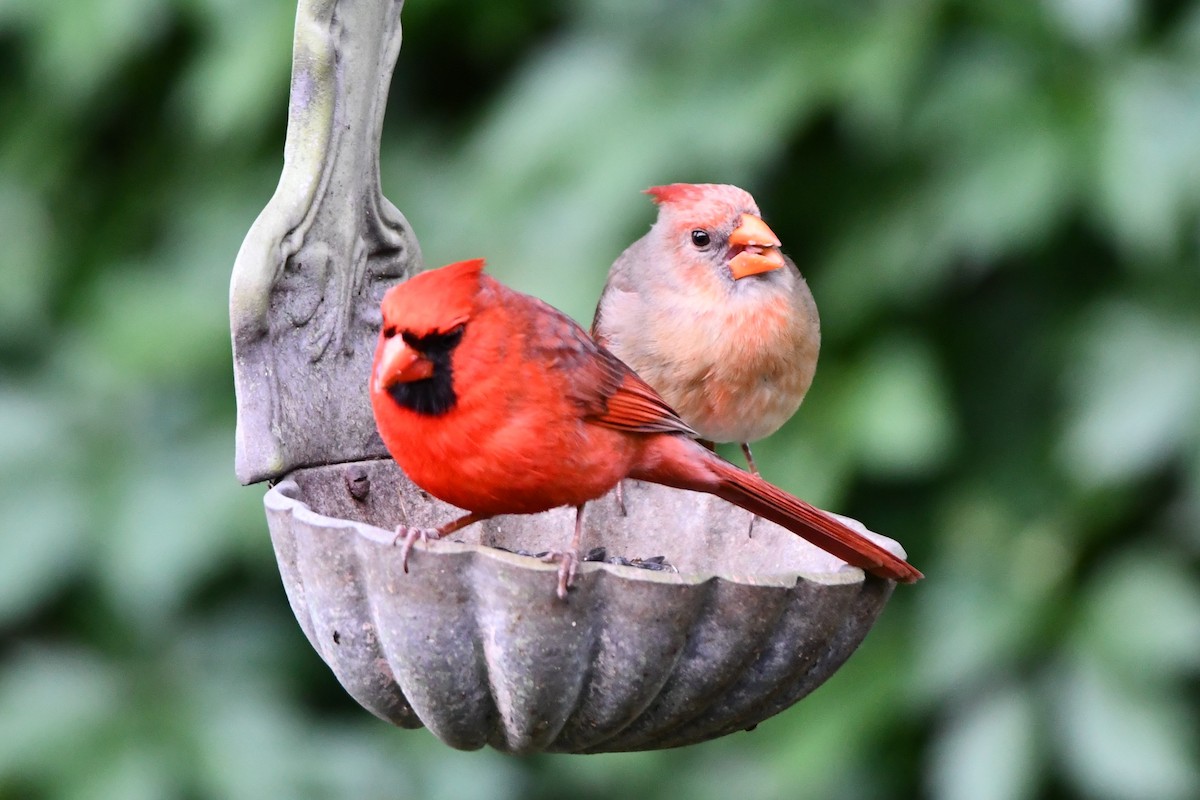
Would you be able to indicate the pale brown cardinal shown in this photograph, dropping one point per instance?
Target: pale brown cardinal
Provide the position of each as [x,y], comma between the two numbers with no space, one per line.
[707,310]
[497,403]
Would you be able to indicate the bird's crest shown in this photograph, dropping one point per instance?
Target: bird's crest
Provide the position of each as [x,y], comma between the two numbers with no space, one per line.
[703,203]
[435,301]
[677,192]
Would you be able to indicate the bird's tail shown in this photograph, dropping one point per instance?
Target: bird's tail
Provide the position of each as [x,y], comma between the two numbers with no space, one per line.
[772,503]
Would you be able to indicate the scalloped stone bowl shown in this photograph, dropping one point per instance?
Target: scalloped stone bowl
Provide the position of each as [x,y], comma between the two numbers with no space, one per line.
[474,644]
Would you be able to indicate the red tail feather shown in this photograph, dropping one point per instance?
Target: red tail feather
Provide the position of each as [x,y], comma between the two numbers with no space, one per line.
[825,531]
[678,467]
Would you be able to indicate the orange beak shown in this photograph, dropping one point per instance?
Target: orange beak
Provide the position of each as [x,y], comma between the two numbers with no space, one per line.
[399,363]
[760,248]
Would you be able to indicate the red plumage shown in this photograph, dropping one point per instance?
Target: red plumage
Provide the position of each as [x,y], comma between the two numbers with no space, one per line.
[498,403]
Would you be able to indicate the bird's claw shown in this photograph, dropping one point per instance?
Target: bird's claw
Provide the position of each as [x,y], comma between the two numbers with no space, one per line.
[568,565]
[619,493]
[410,535]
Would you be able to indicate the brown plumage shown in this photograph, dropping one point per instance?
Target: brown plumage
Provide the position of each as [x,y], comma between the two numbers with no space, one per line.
[708,311]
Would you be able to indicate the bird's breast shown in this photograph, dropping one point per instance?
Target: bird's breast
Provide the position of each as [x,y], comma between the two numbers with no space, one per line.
[502,451]
[735,372]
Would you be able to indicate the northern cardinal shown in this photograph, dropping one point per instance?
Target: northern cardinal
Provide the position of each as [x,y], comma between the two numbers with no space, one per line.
[707,310]
[496,402]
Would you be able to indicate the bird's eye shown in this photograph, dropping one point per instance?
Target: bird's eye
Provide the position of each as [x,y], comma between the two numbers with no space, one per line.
[389,331]
[700,238]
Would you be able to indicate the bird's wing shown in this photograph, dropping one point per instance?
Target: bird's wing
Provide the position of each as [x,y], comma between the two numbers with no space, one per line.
[620,281]
[606,390]
[635,406]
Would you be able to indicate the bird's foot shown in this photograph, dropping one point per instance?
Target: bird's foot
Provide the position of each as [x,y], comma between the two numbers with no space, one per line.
[568,564]
[619,492]
[410,535]
[754,471]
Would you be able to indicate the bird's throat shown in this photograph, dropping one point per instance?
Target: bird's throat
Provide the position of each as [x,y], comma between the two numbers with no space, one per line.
[432,396]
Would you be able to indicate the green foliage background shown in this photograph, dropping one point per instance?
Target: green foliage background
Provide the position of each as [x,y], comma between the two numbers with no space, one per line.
[994,201]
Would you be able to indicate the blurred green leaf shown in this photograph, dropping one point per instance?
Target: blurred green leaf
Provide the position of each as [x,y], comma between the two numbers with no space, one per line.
[1009,195]
[83,43]
[1096,22]
[24,262]
[1150,167]
[134,773]
[55,701]
[1135,391]
[43,507]
[177,521]
[242,71]
[898,409]
[44,521]
[1120,741]
[989,750]
[997,581]
[1142,617]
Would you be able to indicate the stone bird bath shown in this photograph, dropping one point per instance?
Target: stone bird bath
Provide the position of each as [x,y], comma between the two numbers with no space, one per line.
[472,643]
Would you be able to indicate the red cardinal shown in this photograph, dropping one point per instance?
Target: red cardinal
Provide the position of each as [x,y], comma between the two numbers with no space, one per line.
[710,313]
[498,403]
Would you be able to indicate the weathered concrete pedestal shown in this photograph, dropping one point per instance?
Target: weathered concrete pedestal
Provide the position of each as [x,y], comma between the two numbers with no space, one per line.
[474,644]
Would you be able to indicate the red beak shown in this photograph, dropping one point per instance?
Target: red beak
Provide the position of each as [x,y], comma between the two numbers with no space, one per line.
[399,363]
[759,248]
